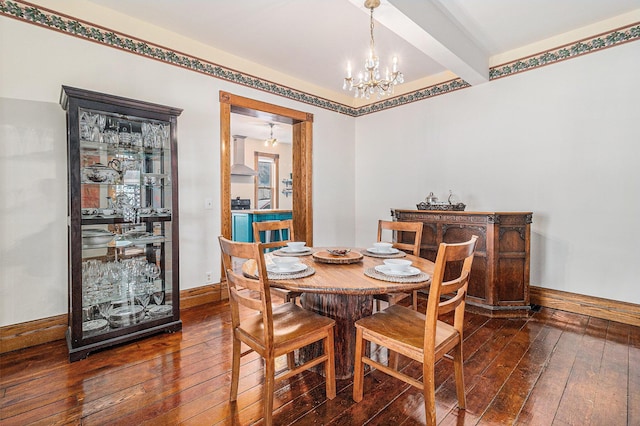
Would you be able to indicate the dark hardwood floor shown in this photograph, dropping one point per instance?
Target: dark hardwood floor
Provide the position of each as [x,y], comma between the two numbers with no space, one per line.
[553,368]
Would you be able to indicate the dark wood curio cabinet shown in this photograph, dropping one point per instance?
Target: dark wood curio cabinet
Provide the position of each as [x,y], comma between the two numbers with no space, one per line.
[122,220]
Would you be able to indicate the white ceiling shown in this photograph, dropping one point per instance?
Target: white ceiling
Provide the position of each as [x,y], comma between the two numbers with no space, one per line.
[256,128]
[312,40]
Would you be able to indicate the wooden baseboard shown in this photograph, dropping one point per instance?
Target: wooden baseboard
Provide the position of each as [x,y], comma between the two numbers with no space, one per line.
[613,310]
[200,295]
[45,330]
[31,333]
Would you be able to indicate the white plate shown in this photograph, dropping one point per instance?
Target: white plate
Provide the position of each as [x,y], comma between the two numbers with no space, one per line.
[409,272]
[374,250]
[160,310]
[126,311]
[95,325]
[126,316]
[120,243]
[148,239]
[290,250]
[297,267]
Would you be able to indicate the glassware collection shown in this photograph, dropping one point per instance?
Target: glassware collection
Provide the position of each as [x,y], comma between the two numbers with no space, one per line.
[124,184]
[114,289]
[123,230]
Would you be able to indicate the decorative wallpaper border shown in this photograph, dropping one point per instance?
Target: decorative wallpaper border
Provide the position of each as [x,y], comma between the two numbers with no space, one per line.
[571,50]
[53,20]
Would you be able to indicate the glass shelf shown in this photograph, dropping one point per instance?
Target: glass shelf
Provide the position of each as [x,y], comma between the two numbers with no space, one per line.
[100,147]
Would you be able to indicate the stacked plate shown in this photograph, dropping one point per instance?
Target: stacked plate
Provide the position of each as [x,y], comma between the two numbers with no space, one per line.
[295,247]
[298,267]
[407,272]
[94,326]
[397,268]
[376,250]
[285,265]
[159,311]
[126,315]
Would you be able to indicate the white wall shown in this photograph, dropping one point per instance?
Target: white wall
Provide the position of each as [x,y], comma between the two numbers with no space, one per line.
[34,63]
[561,141]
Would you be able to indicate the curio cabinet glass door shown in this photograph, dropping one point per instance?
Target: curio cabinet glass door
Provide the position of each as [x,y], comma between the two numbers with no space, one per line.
[123,220]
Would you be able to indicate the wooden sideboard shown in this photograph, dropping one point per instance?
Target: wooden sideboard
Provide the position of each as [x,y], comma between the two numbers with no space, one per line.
[499,284]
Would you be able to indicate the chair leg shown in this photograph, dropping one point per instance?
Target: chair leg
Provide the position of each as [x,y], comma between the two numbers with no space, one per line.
[429,393]
[329,365]
[291,360]
[459,374]
[269,380]
[414,299]
[358,369]
[235,370]
[393,359]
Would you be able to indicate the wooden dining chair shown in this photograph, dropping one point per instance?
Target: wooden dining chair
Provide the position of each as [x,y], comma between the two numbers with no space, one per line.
[284,230]
[412,247]
[422,338]
[271,331]
[264,232]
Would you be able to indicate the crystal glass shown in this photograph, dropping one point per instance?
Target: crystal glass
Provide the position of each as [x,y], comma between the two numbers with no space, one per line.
[101,122]
[158,297]
[92,119]
[85,128]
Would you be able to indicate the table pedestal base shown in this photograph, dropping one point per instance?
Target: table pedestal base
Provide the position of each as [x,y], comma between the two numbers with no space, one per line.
[345,310]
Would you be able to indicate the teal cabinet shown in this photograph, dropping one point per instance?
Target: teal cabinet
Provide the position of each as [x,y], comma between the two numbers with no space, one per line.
[241,227]
[242,222]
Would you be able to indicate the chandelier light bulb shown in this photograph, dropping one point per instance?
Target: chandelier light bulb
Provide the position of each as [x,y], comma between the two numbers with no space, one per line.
[370,81]
[271,141]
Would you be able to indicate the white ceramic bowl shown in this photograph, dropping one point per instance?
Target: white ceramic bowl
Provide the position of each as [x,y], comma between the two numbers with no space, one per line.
[397,265]
[296,245]
[382,247]
[108,212]
[285,262]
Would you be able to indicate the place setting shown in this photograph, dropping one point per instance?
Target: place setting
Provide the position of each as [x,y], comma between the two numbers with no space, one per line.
[294,248]
[383,250]
[285,267]
[397,270]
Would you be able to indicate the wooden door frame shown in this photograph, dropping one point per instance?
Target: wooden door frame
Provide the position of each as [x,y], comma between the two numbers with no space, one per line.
[302,143]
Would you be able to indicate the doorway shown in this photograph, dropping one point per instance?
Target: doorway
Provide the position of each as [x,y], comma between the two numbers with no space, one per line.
[302,141]
[266,193]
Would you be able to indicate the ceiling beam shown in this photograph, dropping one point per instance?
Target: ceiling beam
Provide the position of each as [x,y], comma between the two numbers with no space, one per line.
[430,29]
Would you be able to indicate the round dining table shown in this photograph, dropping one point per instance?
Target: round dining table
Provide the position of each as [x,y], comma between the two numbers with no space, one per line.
[341,290]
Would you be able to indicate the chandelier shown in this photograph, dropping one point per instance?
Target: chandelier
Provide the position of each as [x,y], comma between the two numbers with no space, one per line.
[370,81]
[271,141]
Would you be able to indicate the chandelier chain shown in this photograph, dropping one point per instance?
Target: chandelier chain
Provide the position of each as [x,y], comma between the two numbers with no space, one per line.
[371,43]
